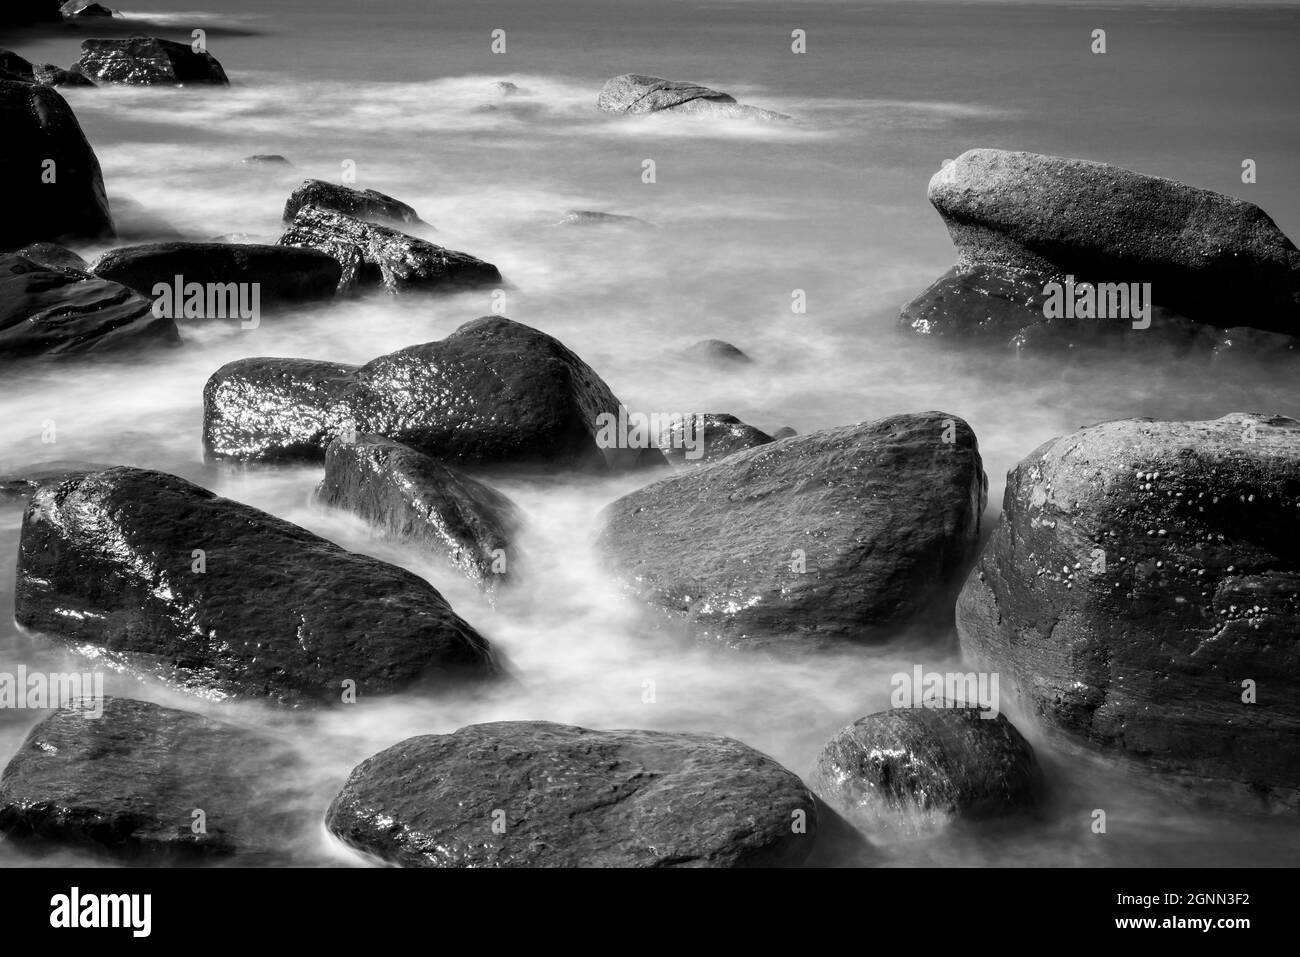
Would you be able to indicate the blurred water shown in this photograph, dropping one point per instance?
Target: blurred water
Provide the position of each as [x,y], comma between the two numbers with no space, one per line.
[744,214]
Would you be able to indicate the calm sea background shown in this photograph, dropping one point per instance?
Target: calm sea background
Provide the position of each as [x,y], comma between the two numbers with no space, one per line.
[833,204]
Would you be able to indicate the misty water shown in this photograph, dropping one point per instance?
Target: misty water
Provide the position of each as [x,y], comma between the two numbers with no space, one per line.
[833,204]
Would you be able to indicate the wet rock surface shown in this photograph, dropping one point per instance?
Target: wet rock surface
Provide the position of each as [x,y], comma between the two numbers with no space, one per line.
[1140,573]
[913,771]
[633,93]
[493,393]
[415,498]
[707,437]
[148,572]
[571,797]
[127,784]
[846,534]
[148,61]
[365,204]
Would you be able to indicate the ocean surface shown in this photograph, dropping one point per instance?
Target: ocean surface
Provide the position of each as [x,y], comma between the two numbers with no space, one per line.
[744,214]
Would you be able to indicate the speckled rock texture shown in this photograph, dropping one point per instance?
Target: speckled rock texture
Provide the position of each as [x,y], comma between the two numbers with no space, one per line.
[149,61]
[493,393]
[913,771]
[127,784]
[107,565]
[365,204]
[847,534]
[708,437]
[1140,573]
[633,93]
[562,796]
[412,497]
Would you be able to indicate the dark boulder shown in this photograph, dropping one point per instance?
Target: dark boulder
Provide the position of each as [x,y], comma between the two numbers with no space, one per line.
[1020,218]
[415,498]
[53,75]
[707,437]
[847,534]
[16,66]
[148,61]
[493,393]
[262,609]
[56,187]
[1141,573]
[17,487]
[127,784]
[915,770]
[719,353]
[374,255]
[562,796]
[56,257]
[84,8]
[265,159]
[633,93]
[56,313]
[368,205]
[284,276]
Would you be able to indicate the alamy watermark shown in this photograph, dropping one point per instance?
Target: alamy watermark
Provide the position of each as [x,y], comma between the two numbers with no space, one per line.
[1106,300]
[640,430]
[36,691]
[214,300]
[921,689]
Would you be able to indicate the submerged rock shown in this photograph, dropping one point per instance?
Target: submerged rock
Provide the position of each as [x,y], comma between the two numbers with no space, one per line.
[1142,572]
[589,217]
[153,574]
[56,187]
[915,770]
[1021,220]
[694,440]
[53,75]
[784,432]
[129,783]
[369,205]
[847,534]
[493,393]
[138,223]
[265,159]
[719,353]
[57,313]
[415,498]
[283,275]
[84,8]
[17,487]
[562,796]
[149,61]
[373,255]
[56,257]
[633,93]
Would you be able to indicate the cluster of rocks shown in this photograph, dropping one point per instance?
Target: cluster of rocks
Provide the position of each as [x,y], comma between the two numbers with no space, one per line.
[1219,271]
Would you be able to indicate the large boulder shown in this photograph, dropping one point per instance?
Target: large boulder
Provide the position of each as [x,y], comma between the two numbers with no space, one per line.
[415,498]
[51,311]
[369,205]
[847,534]
[283,276]
[1021,220]
[374,255]
[149,61]
[913,771]
[128,784]
[494,392]
[1143,579]
[56,187]
[168,580]
[537,794]
[634,93]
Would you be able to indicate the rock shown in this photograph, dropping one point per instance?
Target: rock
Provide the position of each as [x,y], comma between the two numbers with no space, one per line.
[916,770]
[137,223]
[1207,256]
[364,204]
[147,61]
[16,66]
[265,159]
[633,93]
[708,437]
[588,217]
[107,564]
[52,75]
[284,276]
[493,393]
[415,498]
[16,487]
[40,128]
[847,534]
[56,257]
[784,432]
[572,797]
[84,8]
[719,353]
[127,784]
[53,313]
[505,88]
[374,255]
[1140,573]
